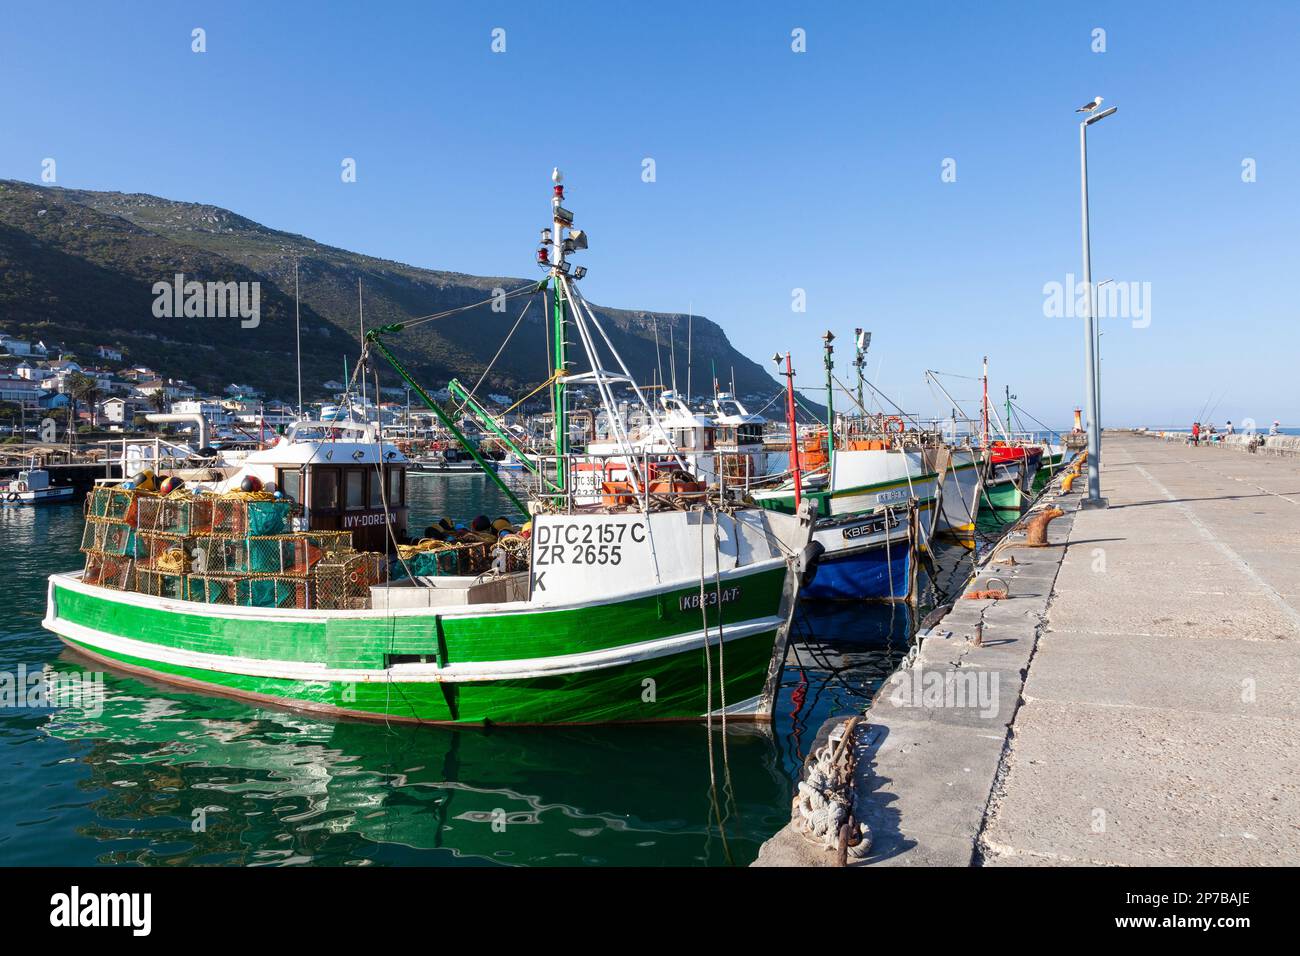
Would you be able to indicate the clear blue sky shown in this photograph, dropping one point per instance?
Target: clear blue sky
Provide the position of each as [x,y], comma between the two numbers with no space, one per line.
[775,170]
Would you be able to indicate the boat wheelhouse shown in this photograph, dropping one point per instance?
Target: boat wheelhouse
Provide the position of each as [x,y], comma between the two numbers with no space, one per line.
[341,473]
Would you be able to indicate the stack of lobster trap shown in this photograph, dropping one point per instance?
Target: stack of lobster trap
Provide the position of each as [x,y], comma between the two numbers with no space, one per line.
[236,549]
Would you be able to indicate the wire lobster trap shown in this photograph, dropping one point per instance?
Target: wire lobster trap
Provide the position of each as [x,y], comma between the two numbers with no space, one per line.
[160,551]
[274,590]
[456,560]
[176,514]
[162,584]
[106,536]
[510,554]
[109,571]
[217,589]
[252,513]
[286,554]
[113,504]
[343,581]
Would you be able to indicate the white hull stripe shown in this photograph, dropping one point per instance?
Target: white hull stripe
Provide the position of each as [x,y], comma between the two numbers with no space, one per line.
[415,673]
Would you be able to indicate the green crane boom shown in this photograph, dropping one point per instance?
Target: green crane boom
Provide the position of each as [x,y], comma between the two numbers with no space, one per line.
[372,337]
[490,423]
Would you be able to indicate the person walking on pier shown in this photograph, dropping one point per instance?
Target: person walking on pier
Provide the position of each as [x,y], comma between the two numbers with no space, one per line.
[1228,429]
[1274,429]
[1196,433]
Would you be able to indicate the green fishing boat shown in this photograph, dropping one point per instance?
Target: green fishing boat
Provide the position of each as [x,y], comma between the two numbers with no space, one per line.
[663,601]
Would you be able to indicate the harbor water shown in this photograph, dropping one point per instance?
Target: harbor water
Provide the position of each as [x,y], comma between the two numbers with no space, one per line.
[157,775]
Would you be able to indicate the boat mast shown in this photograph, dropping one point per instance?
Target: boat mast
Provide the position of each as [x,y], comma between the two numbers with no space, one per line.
[690,327]
[828,350]
[361,317]
[984,408]
[1008,393]
[791,424]
[861,342]
[555,259]
[297,323]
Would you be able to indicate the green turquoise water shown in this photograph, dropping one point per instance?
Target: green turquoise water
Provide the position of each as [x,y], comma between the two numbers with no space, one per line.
[164,777]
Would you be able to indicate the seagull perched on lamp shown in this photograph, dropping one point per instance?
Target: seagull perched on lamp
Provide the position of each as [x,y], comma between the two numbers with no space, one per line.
[1089,107]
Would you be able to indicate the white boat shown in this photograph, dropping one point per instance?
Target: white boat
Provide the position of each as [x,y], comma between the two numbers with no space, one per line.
[724,450]
[31,486]
[452,461]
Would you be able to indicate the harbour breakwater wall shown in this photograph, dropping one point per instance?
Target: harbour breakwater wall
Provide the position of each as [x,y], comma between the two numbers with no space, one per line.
[1282,446]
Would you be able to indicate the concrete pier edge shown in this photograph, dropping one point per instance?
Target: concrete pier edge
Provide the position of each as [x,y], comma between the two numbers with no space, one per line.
[1145,666]
[944,805]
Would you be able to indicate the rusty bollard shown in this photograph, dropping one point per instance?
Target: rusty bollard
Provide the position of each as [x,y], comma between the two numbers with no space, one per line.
[1037,527]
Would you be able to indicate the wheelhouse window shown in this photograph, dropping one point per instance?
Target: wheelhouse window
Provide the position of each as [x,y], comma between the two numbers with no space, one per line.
[395,490]
[290,482]
[355,497]
[325,489]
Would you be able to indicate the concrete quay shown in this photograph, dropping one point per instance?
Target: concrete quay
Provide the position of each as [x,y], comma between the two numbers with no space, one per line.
[1133,700]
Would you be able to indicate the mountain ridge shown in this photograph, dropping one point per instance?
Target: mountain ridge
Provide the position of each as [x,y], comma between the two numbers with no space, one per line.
[79,266]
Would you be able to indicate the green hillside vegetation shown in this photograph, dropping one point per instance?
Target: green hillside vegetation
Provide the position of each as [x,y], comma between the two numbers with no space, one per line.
[78,267]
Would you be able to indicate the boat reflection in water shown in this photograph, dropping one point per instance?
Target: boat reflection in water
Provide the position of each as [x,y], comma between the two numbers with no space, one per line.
[274,787]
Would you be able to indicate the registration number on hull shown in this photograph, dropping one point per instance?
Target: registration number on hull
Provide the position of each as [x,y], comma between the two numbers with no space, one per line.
[585,544]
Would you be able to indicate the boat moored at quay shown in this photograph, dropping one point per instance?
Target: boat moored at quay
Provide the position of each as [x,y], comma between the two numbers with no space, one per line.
[292,579]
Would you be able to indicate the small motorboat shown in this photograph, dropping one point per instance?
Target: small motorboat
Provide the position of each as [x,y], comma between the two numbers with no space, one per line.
[32,487]
[450,461]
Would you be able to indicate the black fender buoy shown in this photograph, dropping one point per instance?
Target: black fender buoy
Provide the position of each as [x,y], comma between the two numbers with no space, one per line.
[808,560]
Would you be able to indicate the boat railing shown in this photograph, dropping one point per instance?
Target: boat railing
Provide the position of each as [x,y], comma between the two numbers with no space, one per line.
[631,488]
[138,454]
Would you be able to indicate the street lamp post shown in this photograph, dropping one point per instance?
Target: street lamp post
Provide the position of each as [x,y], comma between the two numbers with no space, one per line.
[1094,498]
[1100,333]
